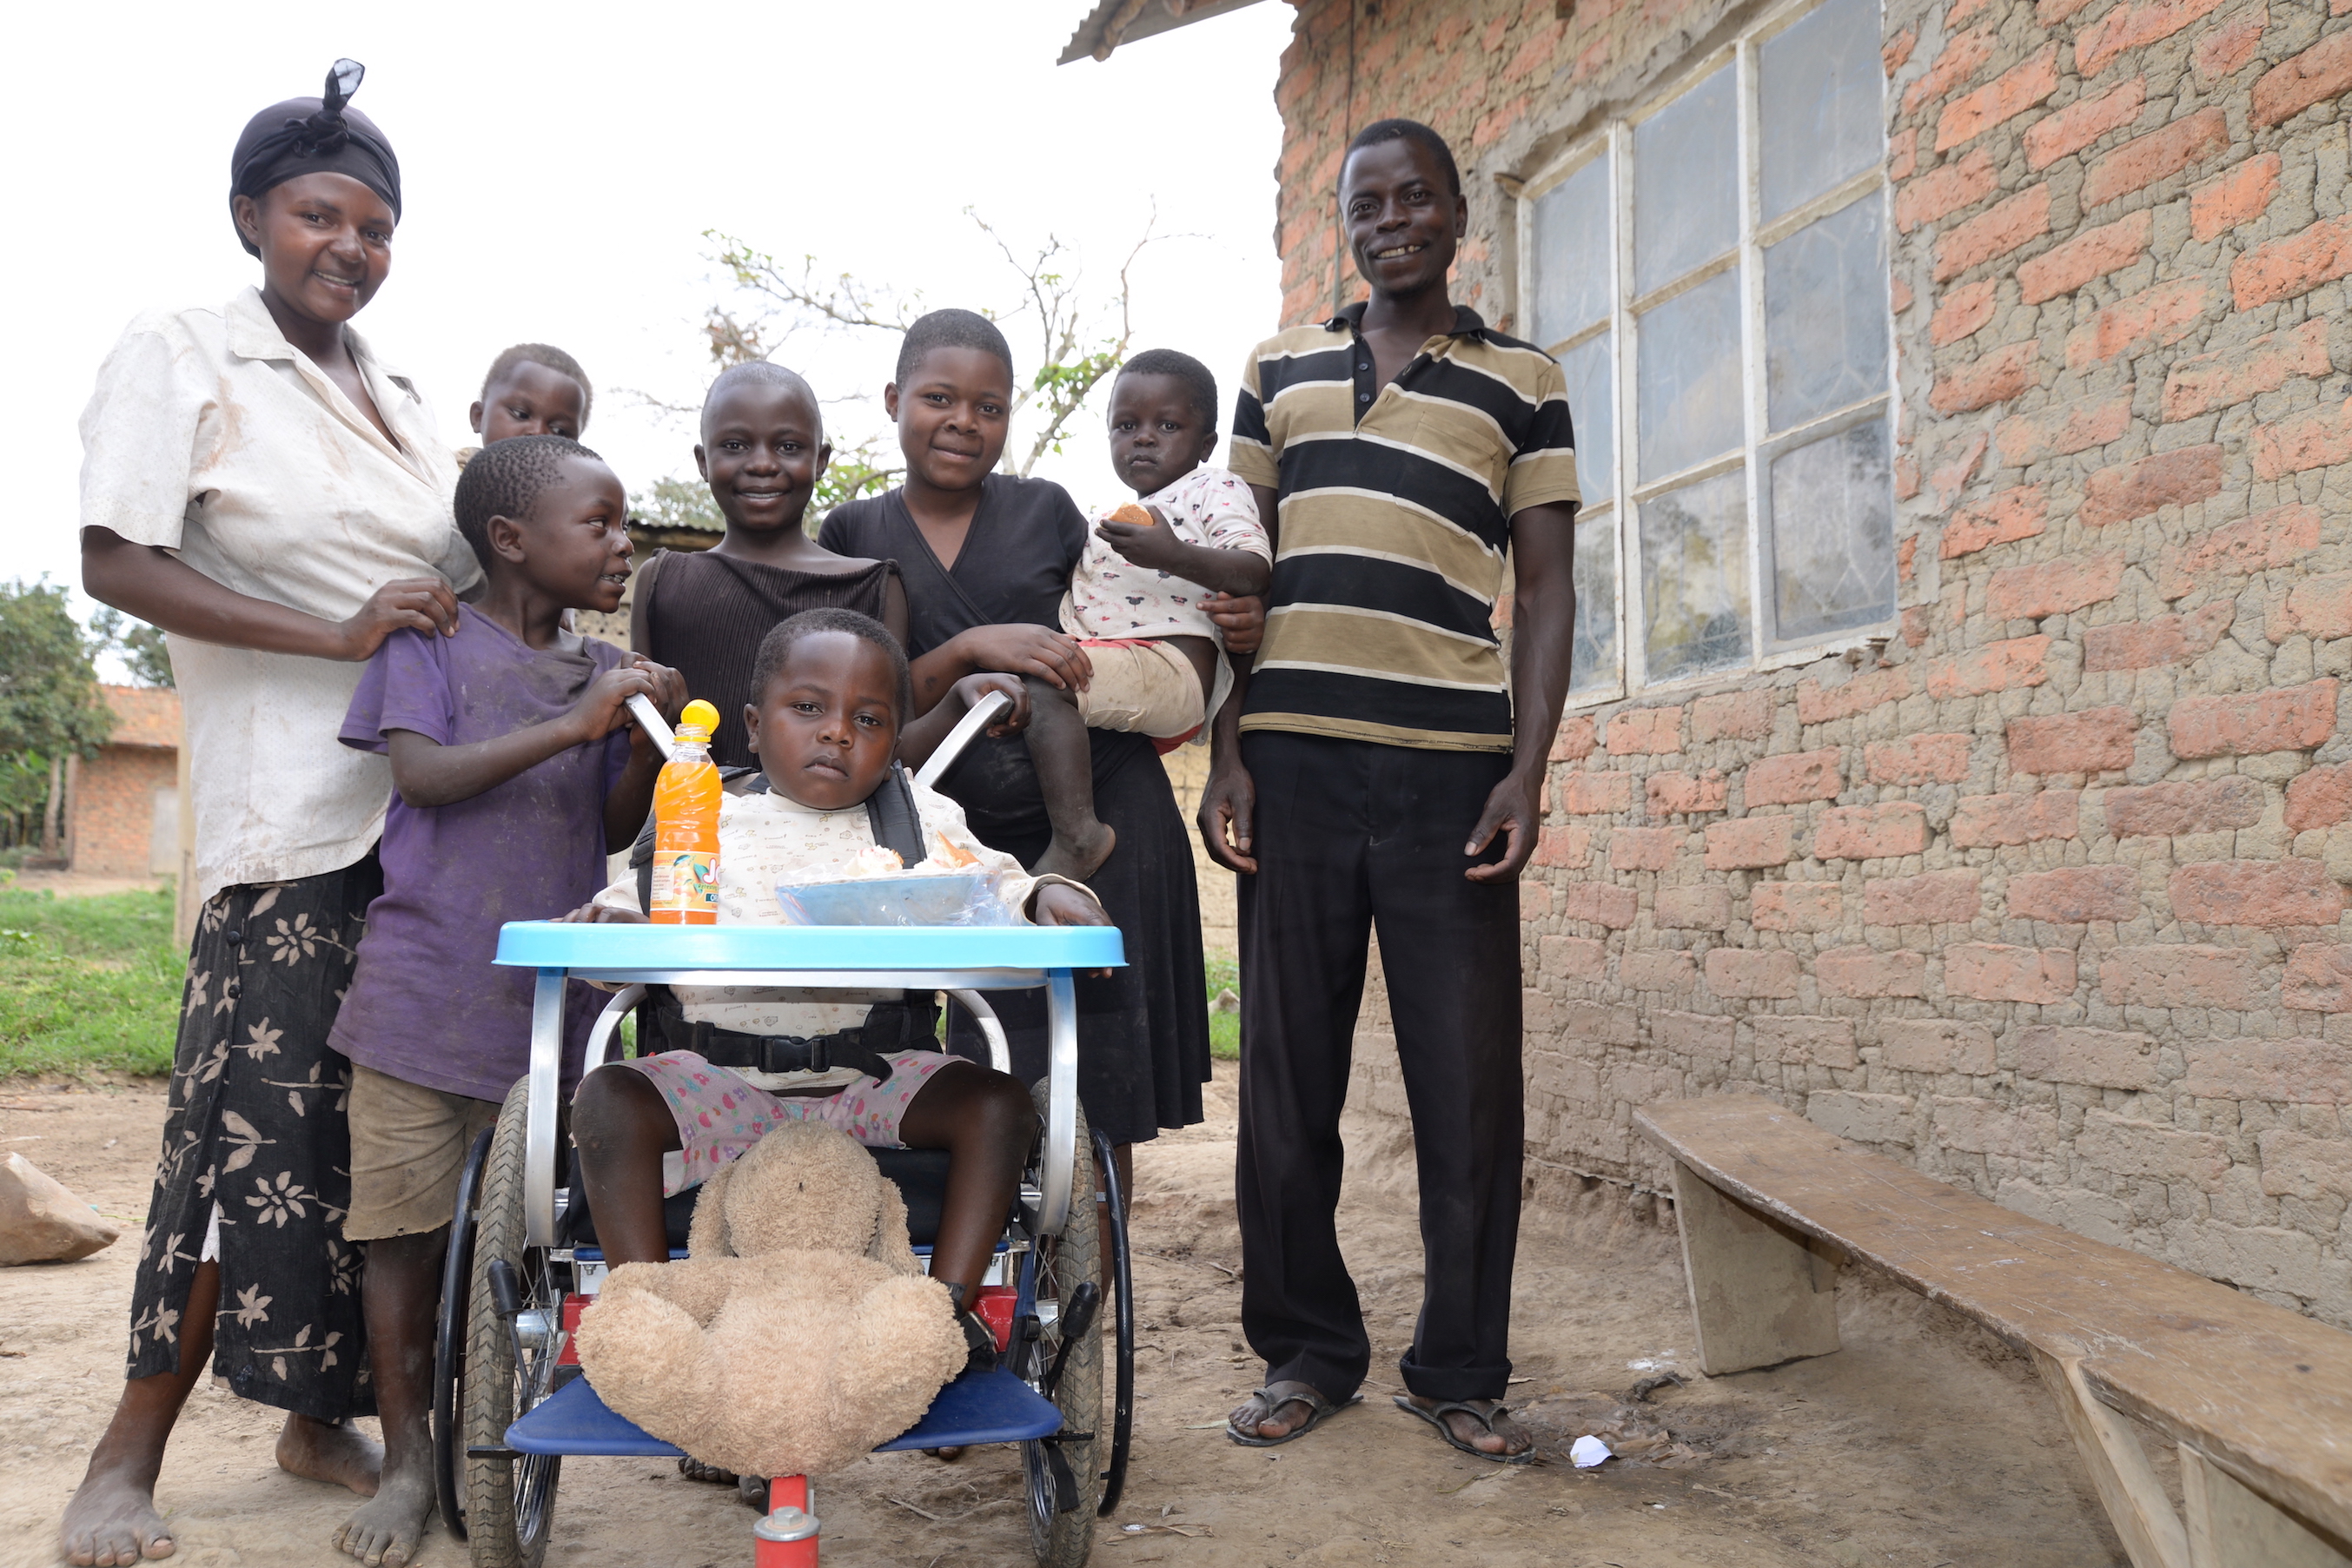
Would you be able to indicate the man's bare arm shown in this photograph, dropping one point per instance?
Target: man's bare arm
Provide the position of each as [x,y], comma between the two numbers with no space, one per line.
[1229,799]
[1543,633]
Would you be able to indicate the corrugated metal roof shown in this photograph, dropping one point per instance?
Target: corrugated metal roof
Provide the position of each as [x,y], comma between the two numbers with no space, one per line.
[1116,22]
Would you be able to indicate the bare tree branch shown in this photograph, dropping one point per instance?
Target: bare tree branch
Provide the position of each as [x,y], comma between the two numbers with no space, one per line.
[639,398]
[1077,346]
[841,301]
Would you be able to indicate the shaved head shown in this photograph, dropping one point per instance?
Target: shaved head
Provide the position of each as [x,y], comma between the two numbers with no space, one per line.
[760,373]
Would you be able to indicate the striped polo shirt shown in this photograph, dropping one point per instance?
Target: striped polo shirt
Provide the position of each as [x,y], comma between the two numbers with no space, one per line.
[1394,518]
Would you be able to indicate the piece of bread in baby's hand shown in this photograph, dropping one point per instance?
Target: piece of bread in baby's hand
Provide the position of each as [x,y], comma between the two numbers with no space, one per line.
[1133,512]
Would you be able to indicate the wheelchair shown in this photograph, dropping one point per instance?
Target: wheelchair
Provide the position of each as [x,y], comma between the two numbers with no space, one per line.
[510,1399]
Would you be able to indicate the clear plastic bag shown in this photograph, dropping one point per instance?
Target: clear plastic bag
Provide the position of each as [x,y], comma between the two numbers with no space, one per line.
[956,898]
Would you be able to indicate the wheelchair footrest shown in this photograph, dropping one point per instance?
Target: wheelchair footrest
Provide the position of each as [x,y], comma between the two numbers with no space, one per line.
[979,1407]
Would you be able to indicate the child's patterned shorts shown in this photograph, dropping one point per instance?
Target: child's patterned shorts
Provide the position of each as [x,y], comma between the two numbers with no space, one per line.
[720,1113]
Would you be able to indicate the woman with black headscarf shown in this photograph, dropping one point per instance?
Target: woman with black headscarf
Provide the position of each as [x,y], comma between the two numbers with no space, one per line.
[260,485]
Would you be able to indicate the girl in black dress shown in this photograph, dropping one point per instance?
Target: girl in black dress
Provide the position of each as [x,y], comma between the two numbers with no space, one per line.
[985,558]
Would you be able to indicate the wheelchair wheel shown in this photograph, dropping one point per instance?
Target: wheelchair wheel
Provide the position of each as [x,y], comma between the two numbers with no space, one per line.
[1064,1472]
[510,1501]
[449,1346]
[1122,1280]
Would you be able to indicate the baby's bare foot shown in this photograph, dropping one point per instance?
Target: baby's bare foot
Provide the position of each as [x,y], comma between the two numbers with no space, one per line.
[324,1452]
[384,1532]
[112,1521]
[1077,856]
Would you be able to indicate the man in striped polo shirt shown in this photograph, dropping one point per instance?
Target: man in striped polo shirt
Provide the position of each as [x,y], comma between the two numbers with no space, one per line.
[1375,771]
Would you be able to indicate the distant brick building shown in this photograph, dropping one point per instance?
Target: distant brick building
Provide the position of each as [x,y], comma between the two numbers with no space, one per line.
[1958,749]
[122,806]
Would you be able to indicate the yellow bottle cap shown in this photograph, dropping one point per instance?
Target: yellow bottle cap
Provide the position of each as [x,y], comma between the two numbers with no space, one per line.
[698,715]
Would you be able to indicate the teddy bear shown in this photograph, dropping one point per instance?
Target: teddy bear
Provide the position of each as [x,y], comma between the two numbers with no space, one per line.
[798,1333]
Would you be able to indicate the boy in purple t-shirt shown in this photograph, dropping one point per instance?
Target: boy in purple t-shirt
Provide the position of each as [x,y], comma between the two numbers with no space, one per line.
[515,768]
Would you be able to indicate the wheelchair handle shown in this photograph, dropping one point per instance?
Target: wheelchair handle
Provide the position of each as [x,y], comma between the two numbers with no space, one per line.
[983,714]
[650,720]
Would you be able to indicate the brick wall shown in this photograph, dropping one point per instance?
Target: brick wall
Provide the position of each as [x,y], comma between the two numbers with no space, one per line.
[2048,897]
[110,807]
[110,797]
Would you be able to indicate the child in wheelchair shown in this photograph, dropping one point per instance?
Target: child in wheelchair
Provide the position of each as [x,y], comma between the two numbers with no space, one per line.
[829,693]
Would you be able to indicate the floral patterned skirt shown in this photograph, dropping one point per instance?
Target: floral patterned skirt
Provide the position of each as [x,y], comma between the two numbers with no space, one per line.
[256,1127]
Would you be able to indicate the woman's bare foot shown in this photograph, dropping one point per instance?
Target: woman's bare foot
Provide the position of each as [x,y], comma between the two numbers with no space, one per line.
[327,1451]
[112,1520]
[1077,856]
[385,1531]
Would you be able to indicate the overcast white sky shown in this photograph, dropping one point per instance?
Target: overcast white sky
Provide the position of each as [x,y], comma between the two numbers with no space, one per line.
[559,165]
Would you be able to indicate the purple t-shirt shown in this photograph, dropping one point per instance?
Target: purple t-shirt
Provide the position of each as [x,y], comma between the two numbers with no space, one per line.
[426,1004]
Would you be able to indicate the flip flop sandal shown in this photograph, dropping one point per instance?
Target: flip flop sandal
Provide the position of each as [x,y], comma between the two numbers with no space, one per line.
[1274,1397]
[1436,1416]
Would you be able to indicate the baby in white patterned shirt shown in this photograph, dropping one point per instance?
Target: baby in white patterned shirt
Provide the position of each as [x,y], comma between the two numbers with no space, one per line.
[832,688]
[1135,596]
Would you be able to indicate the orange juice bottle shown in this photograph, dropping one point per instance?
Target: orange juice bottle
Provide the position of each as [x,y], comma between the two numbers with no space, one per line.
[686,826]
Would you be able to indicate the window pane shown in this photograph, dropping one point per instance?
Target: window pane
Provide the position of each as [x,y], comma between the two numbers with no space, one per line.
[1686,184]
[1572,254]
[1689,380]
[1819,101]
[1593,662]
[1832,534]
[1592,412]
[1694,577]
[1826,315]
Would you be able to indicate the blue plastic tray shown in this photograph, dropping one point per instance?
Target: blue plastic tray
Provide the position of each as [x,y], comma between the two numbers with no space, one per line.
[985,1407]
[553,944]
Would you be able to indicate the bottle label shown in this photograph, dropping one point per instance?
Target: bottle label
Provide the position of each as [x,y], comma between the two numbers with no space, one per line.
[685,887]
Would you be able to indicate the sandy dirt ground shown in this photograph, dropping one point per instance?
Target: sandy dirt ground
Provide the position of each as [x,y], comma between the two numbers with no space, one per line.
[1924,1443]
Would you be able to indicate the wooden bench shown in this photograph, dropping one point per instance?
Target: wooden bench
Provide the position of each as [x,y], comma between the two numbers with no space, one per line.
[2258,1398]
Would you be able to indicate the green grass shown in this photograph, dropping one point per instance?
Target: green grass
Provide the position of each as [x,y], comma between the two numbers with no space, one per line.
[1224,1028]
[93,985]
[87,984]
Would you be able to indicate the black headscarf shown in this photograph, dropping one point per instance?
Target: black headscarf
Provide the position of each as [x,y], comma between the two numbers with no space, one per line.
[314,136]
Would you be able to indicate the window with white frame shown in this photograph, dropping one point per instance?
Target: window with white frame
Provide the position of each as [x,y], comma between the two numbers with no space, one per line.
[1712,275]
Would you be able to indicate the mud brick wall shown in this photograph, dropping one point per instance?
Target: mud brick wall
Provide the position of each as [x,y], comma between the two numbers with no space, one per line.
[110,807]
[110,797]
[2047,897]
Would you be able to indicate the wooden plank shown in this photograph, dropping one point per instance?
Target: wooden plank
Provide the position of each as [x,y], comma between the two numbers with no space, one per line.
[1760,1293]
[2126,1483]
[2262,1392]
[2231,1527]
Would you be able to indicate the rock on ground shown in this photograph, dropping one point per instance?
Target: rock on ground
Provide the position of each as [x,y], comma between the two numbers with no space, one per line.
[41,1222]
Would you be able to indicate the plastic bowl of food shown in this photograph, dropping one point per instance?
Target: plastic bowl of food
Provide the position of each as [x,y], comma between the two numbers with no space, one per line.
[952,899]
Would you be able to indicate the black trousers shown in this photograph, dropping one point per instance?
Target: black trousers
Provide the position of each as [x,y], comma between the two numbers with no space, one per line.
[1354,838]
